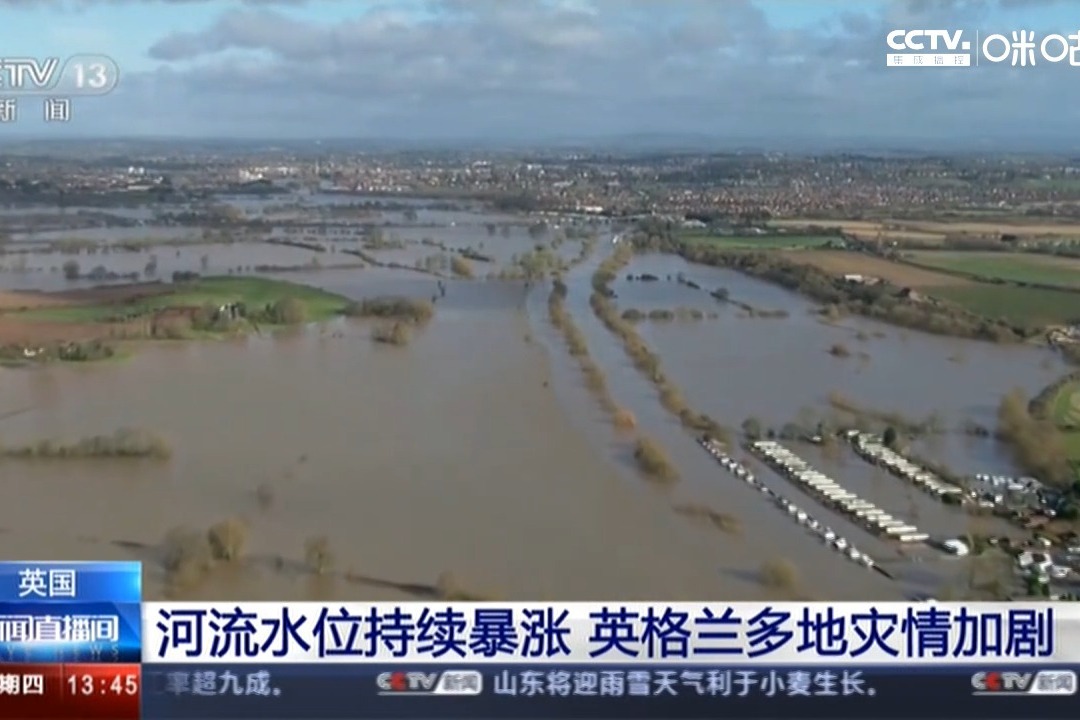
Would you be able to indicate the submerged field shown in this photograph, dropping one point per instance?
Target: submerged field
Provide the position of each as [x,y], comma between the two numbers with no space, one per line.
[450,455]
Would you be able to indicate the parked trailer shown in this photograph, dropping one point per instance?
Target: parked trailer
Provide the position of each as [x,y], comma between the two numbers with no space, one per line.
[914,537]
[902,530]
[892,524]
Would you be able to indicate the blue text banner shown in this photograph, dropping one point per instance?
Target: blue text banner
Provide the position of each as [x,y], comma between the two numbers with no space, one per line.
[339,692]
[706,633]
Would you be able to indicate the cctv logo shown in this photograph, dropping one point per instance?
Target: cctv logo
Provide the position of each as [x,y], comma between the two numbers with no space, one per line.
[938,40]
[941,44]
[1042,682]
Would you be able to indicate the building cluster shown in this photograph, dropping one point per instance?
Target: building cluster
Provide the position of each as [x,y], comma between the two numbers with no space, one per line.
[874,450]
[740,186]
[831,494]
[821,530]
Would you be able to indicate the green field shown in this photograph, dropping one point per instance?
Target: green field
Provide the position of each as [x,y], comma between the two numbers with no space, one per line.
[1019,305]
[1014,267]
[757,242]
[252,291]
[1065,411]
[1066,405]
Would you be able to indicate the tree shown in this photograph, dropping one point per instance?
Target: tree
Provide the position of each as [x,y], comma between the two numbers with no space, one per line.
[288,311]
[228,539]
[889,437]
[318,556]
[72,270]
[790,431]
[751,428]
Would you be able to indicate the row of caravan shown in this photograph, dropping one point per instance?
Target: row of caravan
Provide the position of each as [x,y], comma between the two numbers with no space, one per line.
[825,533]
[872,449]
[830,493]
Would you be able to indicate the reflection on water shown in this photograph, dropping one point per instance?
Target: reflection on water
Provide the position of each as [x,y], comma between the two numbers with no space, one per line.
[469,440]
[739,367]
[412,460]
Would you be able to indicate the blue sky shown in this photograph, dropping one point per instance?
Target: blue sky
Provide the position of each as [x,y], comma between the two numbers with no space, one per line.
[767,71]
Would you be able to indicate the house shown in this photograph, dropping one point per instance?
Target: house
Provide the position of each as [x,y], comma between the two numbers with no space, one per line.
[910,294]
[861,279]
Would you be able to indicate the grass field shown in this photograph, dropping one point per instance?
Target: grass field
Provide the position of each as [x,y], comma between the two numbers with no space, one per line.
[1015,267]
[1065,410]
[935,231]
[252,291]
[1021,305]
[1066,405]
[757,242]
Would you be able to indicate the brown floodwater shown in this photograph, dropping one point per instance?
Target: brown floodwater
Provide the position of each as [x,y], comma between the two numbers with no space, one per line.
[447,455]
[775,368]
[477,449]
[779,370]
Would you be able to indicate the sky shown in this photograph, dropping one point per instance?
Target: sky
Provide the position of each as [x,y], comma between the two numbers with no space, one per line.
[780,73]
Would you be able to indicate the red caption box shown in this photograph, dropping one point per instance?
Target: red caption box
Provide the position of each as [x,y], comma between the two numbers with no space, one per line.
[69,692]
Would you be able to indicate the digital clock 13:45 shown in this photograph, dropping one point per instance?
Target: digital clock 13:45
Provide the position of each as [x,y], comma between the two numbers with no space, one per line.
[117,684]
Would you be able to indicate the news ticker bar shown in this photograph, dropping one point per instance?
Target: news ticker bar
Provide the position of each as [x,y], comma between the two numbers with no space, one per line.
[287,692]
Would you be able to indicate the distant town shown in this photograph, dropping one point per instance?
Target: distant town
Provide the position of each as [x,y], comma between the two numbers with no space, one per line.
[743,188]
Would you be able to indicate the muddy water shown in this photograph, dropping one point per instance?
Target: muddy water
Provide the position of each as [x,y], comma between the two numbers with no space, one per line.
[772,369]
[737,367]
[766,535]
[446,455]
[454,454]
[42,271]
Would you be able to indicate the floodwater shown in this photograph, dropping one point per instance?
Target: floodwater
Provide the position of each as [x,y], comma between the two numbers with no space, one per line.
[476,449]
[434,233]
[43,271]
[447,455]
[776,368]
[736,367]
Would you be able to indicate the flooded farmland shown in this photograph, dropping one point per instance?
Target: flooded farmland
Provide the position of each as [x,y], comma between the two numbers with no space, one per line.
[477,450]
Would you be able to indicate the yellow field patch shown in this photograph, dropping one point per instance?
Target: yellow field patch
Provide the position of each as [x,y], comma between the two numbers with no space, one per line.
[986,228]
[839,262]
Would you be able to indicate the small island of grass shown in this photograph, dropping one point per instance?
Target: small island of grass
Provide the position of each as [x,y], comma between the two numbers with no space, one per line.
[79,325]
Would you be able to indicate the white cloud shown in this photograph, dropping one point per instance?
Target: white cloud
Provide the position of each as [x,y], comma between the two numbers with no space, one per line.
[526,68]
